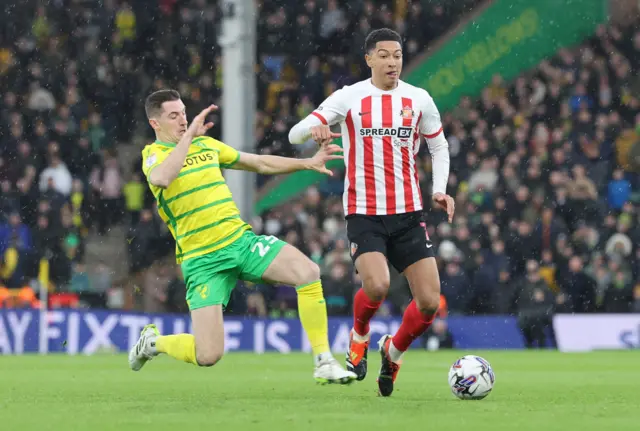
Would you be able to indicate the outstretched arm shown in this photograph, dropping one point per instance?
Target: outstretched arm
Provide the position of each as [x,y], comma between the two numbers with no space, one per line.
[274,165]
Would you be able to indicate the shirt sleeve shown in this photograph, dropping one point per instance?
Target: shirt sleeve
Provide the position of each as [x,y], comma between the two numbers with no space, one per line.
[332,111]
[228,156]
[152,157]
[430,122]
[431,128]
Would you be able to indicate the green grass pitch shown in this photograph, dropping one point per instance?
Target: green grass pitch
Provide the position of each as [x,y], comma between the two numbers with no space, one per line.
[533,391]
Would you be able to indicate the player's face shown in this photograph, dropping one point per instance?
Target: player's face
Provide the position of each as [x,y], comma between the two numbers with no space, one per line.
[385,61]
[172,122]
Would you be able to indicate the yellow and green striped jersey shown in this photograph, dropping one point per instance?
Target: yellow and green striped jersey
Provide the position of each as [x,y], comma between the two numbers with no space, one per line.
[197,206]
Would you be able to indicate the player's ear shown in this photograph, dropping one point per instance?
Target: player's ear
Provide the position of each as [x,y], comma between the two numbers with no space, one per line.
[369,59]
[154,123]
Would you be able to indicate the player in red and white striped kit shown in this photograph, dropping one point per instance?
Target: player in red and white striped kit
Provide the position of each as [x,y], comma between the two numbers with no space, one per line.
[382,120]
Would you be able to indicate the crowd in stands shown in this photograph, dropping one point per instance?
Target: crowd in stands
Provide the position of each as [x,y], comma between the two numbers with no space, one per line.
[544,168]
[71,74]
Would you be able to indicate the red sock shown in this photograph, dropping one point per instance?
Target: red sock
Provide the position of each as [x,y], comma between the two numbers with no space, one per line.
[414,324]
[363,310]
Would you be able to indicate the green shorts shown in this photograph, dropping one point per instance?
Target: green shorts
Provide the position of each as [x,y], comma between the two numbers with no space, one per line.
[211,278]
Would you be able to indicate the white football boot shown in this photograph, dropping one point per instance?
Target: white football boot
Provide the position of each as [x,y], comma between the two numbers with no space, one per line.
[330,371]
[145,348]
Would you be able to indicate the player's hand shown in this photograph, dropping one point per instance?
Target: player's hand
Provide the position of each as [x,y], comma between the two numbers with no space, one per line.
[447,203]
[323,135]
[198,126]
[325,154]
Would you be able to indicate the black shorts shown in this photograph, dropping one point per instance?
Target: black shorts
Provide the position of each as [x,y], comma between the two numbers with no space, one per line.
[402,238]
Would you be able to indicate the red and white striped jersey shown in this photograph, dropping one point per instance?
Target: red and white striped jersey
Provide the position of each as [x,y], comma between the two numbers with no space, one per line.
[381,137]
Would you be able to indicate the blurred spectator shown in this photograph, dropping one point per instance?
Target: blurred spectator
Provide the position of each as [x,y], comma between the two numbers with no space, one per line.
[134,192]
[106,181]
[438,336]
[176,293]
[56,177]
[619,190]
[455,287]
[579,287]
[141,241]
[535,304]
[155,286]
[338,289]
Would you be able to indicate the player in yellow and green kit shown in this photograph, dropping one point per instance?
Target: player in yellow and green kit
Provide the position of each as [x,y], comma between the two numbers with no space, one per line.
[214,246]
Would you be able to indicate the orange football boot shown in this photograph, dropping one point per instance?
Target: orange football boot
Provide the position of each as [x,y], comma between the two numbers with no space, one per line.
[357,357]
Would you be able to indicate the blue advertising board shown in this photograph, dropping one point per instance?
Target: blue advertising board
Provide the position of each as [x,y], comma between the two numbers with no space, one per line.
[90,331]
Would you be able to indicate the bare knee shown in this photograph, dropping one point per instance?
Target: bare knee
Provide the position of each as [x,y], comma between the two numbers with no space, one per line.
[374,271]
[208,358]
[376,287]
[307,272]
[428,298]
[424,281]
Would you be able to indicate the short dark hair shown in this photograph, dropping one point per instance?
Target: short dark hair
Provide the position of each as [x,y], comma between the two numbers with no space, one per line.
[381,35]
[153,104]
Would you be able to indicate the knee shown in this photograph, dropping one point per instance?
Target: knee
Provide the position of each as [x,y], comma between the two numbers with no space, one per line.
[208,358]
[307,272]
[428,300]
[376,287]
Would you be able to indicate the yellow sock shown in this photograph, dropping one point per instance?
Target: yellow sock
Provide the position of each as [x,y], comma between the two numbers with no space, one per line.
[181,347]
[313,315]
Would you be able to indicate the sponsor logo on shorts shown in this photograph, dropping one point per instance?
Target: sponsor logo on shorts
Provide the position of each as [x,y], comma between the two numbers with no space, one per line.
[354,248]
[203,291]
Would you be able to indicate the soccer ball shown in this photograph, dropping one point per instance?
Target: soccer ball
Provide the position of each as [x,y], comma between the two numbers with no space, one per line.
[471,378]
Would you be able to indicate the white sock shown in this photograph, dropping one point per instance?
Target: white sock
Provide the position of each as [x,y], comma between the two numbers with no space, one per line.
[322,357]
[394,353]
[360,338]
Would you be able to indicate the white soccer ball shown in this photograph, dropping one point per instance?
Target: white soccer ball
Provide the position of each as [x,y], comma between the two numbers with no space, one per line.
[471,378]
